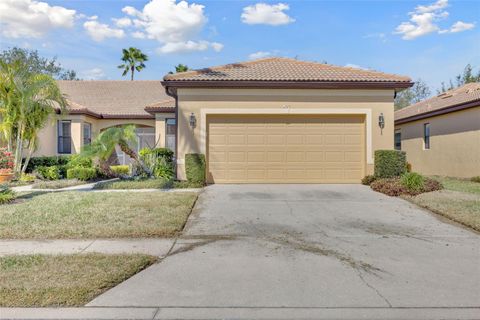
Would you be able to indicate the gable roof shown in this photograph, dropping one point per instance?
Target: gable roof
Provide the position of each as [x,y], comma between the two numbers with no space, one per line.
[285,70]
[114,99]
[459,98]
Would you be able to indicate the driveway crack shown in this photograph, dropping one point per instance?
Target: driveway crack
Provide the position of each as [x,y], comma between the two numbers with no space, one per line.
[373,288]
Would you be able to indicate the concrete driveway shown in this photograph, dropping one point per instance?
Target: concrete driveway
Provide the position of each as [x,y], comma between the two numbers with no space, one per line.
[336,248]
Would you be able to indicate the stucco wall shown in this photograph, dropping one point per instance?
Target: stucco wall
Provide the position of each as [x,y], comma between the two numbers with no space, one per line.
[454,144]
[197,100]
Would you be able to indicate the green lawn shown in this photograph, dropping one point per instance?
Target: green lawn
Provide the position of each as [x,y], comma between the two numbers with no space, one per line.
[146,184]
[64,280]
[460,201]
[95,215]
[460,185]
[57,184]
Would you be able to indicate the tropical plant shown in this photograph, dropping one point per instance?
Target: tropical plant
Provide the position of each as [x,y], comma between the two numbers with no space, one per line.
[133,59]
[180,68]
[6,161]
[27,101]
[103,146]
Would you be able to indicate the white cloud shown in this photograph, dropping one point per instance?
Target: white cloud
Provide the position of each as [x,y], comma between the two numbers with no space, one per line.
[175,25]
[355,66]
[100,31]
[93,74]
[32,19]
[259,55]
[139,35]
[262,13]
[189,46]
[424,20]
[460,26]
[122,22]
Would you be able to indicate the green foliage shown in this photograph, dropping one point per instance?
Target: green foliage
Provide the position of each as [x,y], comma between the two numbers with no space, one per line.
[195,167]
[26,177]
[467,76]
[187,185]
[159,161]
[77,160]
[367,180]
[396,187]
[122,170]
[390,163]
[133,59]
[475,179]
[6,194]
[412,181]
[419,92]
[38,64]
[49,173]
[83,174]
[36,162]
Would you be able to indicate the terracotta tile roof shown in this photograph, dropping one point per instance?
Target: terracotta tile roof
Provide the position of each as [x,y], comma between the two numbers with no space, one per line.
[161,106]
[284,69]
[106,98]
[466,94]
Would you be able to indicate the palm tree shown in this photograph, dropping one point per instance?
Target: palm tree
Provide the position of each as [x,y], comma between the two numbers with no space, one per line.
[180,68]
[27,101]
[103,146]
[133,59]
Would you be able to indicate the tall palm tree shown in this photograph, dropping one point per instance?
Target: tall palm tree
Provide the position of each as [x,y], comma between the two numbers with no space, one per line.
[27,101]
[133,59]
[103,146]
[180,68]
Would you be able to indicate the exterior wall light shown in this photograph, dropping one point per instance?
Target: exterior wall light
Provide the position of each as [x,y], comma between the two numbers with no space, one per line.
[381,121]
[193,121]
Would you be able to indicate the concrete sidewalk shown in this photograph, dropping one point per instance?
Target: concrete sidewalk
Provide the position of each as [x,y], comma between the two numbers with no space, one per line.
[155,247]
[212,313]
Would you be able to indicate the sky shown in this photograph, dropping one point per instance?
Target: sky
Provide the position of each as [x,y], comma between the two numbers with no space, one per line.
[431,40]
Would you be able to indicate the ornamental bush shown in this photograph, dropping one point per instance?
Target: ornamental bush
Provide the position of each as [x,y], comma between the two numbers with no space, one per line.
[6,194]
[49,173]
[6,161]
[122,170]
[159,161]
[413,181]
[82,174]
[367,180]
[36,162]
[390,163]
[195,167]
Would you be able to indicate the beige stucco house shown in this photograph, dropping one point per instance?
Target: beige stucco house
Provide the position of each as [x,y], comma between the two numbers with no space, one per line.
[441,135]
[273,120]
[280,120]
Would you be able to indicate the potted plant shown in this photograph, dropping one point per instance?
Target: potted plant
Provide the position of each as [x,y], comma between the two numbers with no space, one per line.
[6,165]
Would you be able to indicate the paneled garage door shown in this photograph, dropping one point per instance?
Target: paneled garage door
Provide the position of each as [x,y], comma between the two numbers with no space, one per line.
[285,149]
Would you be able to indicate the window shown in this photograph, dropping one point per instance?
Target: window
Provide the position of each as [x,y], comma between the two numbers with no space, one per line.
[426,136]
[170,133]
[398,140]
[145,139]
[87,133]
[64,144]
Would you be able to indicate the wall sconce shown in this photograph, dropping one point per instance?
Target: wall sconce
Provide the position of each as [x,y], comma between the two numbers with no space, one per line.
[193,121]
[381,121]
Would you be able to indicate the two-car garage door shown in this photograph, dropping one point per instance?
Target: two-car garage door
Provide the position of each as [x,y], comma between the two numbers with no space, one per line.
[285,149]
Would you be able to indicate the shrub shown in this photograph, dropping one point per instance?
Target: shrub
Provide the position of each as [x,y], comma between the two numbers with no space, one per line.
[77,161]
[6,161]
[367,180]
[195,167]
[390,163]
[122,170]
[159,161]
[27,177]
[36,162]
[6,194]
[82,174]
[475,179]
[395,187]
[49,173]
[413,181]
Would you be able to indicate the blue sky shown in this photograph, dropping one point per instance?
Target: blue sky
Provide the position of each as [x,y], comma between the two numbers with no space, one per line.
[432,40]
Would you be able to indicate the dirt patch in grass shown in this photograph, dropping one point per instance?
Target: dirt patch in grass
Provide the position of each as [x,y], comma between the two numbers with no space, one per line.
[64,280]
[457,206]
[58,184]
[96,215]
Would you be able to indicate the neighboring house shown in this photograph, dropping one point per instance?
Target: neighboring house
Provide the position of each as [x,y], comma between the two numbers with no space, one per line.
[441,135]
[97,105]
[279,120]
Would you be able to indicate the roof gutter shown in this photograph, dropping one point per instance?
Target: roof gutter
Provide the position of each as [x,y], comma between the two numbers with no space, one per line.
[171,84]
[449,109]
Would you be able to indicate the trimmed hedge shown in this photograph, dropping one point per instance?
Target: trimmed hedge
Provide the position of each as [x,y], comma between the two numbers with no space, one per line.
[195,167]
[390,163]
[122,170]
[82,174]
[51,172]
[36,162]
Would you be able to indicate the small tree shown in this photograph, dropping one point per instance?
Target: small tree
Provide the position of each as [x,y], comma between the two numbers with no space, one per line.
[467,76]
[418,92]
[103,146]
[133,59]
